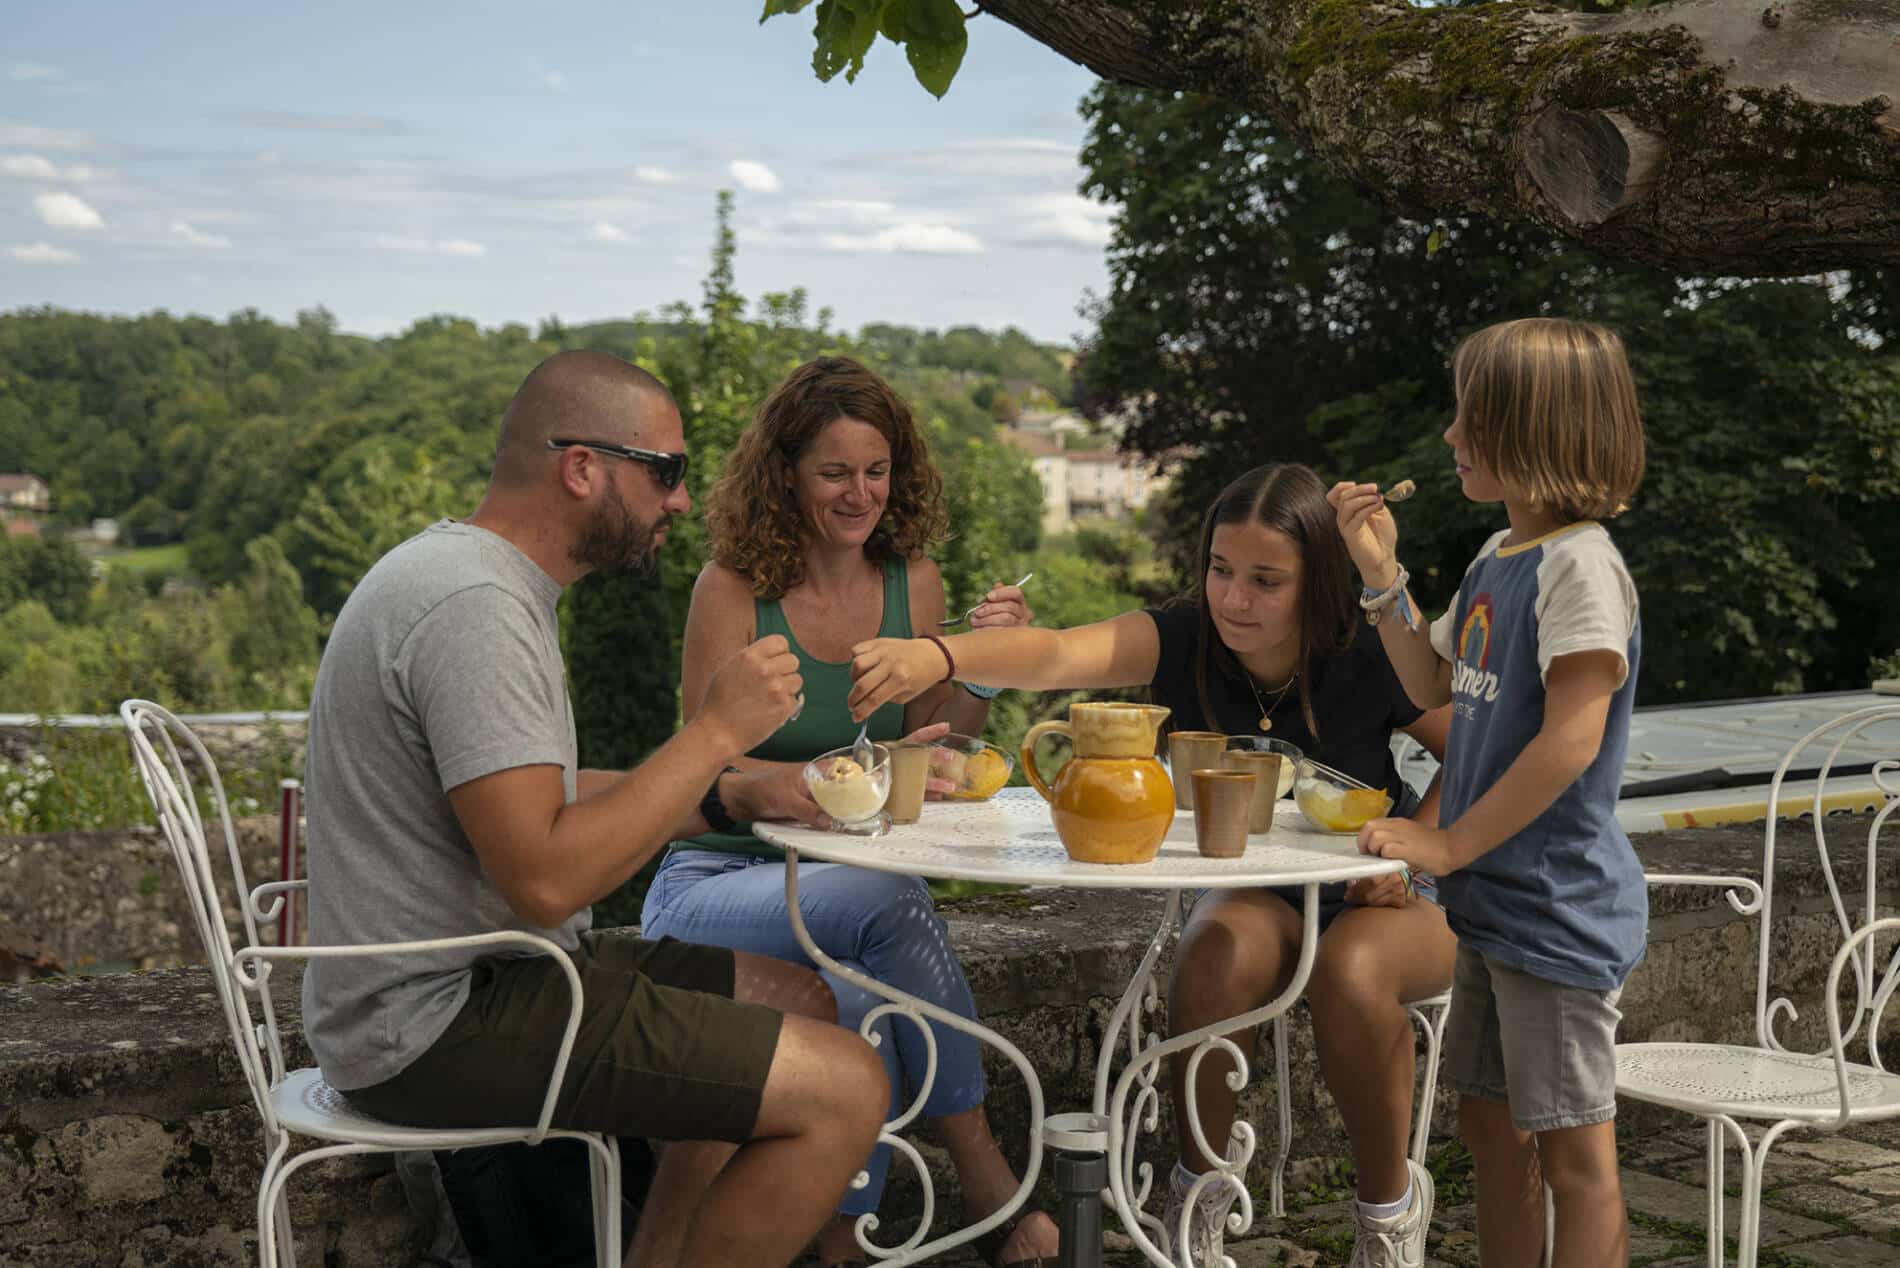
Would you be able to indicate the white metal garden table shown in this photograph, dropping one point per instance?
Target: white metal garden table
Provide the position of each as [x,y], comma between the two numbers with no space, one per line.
[1011,839]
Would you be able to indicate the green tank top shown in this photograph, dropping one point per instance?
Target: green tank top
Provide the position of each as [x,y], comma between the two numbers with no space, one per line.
[825,721]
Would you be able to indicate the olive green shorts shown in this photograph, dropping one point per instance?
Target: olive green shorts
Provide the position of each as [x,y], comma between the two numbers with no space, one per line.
[663,1050]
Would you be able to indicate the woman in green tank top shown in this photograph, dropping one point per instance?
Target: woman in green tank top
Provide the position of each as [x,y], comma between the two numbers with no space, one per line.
[820,522]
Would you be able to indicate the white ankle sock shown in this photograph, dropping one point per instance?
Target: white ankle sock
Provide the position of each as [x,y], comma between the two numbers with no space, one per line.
[1213,1194]
[1385,1210]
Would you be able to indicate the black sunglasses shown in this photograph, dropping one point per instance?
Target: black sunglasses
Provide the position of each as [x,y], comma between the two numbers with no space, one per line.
[668,468]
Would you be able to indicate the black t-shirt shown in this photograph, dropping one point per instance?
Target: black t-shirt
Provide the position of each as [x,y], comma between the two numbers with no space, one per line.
[1358,700]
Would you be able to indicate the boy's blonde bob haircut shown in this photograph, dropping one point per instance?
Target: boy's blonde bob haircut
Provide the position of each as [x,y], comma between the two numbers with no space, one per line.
[1549,408]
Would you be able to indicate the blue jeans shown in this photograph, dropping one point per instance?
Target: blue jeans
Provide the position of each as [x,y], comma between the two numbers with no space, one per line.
[882,925]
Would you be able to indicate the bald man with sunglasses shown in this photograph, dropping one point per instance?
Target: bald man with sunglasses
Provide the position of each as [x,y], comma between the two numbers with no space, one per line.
[444,799]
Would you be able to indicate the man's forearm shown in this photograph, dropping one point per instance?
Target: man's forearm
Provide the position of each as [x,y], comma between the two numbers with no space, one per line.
[599,840]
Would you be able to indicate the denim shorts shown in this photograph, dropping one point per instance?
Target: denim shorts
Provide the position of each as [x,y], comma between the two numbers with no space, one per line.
[1547,1049]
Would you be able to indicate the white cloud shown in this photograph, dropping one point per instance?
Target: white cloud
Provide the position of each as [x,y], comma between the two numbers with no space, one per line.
[1065,220]
[66,211]
[607,231]
[31,70]
[754,178]
[910,237]
[300,121]
[197,238]
[34,138]
[655,175]
[445,246]
[43,253]
[36,167]
[28,167]
[555,80]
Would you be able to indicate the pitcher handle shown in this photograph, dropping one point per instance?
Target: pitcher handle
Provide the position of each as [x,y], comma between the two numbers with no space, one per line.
[1028,754]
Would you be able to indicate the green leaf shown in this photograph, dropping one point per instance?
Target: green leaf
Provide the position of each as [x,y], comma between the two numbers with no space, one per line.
[934,36]
[775,7]
[1439,236]
[845,31]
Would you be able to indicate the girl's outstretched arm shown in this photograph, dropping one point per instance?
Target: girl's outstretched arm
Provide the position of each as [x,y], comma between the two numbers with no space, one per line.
[1119,652]
[1372,539]
[1577,691]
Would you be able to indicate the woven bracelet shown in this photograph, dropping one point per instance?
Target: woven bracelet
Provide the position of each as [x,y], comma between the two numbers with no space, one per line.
[948,659]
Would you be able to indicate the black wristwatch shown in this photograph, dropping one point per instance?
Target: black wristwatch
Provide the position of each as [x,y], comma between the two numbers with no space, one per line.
[713,809]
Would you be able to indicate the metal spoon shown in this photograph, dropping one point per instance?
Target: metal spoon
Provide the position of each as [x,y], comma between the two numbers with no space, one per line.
[861,750]
[958,620]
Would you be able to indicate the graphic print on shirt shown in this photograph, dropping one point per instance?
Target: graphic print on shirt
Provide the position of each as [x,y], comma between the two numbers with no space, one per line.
[1470,675]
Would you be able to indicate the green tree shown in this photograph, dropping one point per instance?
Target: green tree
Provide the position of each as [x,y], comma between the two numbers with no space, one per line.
[1260,310]
[390,497]
[273,633]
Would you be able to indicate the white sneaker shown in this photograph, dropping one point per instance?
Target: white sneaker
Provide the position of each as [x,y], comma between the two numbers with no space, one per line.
[1399,1240]
[1207,1227]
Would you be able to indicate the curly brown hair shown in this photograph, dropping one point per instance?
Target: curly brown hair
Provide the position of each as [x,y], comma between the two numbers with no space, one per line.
[758,528]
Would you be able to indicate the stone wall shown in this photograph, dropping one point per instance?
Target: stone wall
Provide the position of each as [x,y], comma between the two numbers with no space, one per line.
[111,898]
[126,1137]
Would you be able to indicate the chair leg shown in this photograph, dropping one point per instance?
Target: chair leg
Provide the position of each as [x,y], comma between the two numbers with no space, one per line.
[1434,1028]
[287,1252]
[269,1211]
[1284,1144]
[1550,1227]
[604,1164]
[1717,1251]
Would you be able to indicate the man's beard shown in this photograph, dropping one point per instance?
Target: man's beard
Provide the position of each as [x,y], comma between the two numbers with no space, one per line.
[615,543]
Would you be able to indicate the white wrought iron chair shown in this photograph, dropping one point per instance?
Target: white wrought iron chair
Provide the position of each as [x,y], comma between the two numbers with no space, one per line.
[1765,1081]
[1429,1016]
[299,1102]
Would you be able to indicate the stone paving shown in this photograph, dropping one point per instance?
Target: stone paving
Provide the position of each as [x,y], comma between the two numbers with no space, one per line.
[1832,1200]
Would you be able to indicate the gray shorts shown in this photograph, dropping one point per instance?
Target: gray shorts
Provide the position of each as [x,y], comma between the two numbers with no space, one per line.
[1547,1049]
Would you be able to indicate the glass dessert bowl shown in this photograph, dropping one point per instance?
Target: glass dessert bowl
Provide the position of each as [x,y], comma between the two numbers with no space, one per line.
[853,796]
[1334,801]
[975,767]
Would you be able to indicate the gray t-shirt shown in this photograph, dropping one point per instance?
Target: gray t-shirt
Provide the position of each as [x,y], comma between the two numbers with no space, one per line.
[444,666]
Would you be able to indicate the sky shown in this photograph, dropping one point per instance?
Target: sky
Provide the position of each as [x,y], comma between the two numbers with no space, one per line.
[508,162]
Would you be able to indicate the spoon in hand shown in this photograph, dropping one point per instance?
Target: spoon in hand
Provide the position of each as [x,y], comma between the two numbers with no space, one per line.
[958,620]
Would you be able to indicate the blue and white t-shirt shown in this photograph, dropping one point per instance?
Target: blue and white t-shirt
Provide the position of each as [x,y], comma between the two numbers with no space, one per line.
[1564,899]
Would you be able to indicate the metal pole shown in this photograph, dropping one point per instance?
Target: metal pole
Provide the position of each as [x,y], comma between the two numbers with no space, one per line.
[289,804]
[1079,1145]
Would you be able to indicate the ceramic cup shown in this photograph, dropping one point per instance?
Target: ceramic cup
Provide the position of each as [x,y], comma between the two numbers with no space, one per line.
[1222,799]
[1272,763]
[910,772]
[1191,751]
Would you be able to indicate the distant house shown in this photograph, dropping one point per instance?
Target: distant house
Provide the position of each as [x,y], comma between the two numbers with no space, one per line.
[1110,483]
[22,526]
[1084,482]
[25,493]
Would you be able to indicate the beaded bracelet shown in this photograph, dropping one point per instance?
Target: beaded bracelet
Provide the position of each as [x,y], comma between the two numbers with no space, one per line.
[1375,602]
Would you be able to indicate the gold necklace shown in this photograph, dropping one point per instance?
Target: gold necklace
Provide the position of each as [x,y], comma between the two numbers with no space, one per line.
[1266,723]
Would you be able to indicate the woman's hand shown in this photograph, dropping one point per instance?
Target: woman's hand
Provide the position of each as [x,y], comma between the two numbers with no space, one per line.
[887,669]
[778,793]
[1002,607]
[1370,532]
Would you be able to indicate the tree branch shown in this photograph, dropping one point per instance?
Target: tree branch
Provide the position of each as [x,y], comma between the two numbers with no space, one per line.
[1713,136]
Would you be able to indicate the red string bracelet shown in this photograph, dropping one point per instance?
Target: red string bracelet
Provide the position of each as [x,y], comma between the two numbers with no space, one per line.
[948,659]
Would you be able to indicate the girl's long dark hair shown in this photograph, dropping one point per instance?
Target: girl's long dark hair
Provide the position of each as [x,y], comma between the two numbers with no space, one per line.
[1290,498]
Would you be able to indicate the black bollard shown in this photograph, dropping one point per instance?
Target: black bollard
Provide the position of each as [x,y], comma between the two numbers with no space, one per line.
[1080,1179]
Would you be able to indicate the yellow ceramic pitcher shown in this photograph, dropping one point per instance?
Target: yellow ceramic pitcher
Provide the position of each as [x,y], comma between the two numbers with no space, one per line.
[1112,802]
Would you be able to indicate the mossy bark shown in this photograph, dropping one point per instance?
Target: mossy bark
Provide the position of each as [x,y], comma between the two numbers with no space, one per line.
[1698,135]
